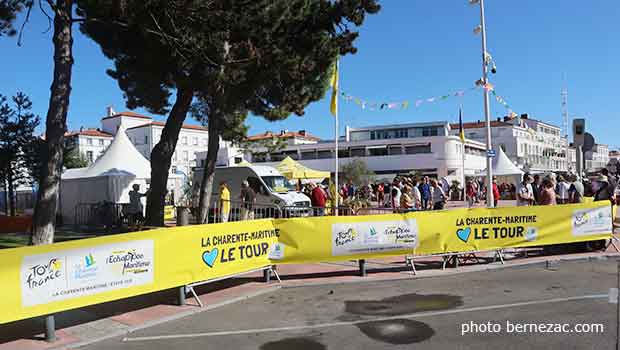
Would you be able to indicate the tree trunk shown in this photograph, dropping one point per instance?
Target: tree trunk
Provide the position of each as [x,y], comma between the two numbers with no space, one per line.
[206,185]
[11,203]
[6,197]
[44,218]
[161,157]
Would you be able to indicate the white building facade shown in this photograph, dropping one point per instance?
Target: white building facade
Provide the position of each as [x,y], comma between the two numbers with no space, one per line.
[597,158]
[531,144]
[91,143]
[388,150]
[145,133]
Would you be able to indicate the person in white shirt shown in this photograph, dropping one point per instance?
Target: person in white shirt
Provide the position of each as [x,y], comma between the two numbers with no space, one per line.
[438,196]
[395,194]
[562,189]
[525,194]
[416,197]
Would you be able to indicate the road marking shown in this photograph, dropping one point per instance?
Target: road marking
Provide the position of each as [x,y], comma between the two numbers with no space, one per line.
[613,295]
[352,323]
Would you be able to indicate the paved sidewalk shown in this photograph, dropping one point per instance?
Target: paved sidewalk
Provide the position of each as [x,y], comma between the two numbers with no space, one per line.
[120,317]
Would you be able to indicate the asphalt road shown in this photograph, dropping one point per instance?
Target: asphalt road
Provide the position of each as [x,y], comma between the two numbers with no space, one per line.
[425,313]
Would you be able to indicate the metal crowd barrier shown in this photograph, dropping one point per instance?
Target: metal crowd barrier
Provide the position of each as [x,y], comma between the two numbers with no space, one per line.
[97,216]
[237,212]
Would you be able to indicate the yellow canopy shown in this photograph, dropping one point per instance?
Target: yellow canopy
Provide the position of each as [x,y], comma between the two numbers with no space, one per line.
[244,163]
[294,170]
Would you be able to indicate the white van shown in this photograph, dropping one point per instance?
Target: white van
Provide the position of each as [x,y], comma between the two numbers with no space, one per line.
[272,189]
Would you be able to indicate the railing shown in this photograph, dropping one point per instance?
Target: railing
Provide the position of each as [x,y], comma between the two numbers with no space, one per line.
[102,215]
[238,211]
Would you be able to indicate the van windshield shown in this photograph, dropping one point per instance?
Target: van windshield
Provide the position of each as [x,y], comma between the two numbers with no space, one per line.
[277,183]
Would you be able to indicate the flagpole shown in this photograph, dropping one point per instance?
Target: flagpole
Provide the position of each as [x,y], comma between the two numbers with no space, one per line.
[487,117]
[462,152]
[336,147]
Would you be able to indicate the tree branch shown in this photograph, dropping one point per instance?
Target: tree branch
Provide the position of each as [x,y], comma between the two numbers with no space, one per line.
[21,30]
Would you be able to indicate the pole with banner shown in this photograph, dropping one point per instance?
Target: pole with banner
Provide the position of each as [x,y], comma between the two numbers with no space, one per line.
[462,137]
[333,108]
[486,87]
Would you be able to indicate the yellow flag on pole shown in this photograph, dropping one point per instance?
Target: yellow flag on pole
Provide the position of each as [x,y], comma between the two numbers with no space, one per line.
[333,106]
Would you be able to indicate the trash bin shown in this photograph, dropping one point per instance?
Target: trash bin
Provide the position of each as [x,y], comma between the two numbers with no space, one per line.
[182,216]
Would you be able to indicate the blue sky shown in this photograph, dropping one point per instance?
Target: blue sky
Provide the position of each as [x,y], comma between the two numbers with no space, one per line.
[410,50]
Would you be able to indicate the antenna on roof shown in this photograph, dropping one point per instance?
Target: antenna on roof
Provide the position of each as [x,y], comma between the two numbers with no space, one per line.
[564,94]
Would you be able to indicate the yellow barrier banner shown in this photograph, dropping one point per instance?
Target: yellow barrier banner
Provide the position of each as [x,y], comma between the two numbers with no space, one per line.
[45,279]
[439,232]
[41,280]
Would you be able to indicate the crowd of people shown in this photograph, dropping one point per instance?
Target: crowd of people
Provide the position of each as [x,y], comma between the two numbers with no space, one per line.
[412,193]
[552,189]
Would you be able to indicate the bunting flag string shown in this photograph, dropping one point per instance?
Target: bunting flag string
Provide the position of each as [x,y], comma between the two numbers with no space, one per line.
[374,106]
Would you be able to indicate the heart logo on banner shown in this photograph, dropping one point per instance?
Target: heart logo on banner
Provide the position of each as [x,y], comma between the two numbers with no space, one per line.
[209,257]
[463,234]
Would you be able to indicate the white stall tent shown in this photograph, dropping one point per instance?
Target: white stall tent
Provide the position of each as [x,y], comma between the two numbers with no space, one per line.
[504,169]
[109,178]
[503,166]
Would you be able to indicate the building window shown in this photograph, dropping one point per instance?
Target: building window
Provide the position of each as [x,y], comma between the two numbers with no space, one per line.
[377,151]
[89,156]
[389,134]
[184,140]
[276,157]
[308,155]
[89,142]
[185,156]
[358,152]
[101,142]
[204,142]
[429,131]
[146,139]
[417,149]
[238,160]
[324,154]
[395,150]
[173,169]
[195,141]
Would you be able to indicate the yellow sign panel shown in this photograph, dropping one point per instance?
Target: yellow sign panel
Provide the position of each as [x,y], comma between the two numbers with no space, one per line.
[438,232]
[169,212]
[40,280]
[46,279]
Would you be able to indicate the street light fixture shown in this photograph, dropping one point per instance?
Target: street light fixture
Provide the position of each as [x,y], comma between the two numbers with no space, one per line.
[486,60]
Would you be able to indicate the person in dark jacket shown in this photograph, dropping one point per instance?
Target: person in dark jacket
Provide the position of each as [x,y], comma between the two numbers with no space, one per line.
[425,192]
[536,188]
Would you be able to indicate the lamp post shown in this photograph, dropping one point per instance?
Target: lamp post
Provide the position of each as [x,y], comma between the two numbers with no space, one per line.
[485,62]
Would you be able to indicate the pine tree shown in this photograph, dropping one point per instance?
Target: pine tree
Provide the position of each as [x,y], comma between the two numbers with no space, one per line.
[267,57]
[17,126]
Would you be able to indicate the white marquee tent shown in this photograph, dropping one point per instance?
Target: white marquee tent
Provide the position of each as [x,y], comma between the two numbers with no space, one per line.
[109,178]
[504,168]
